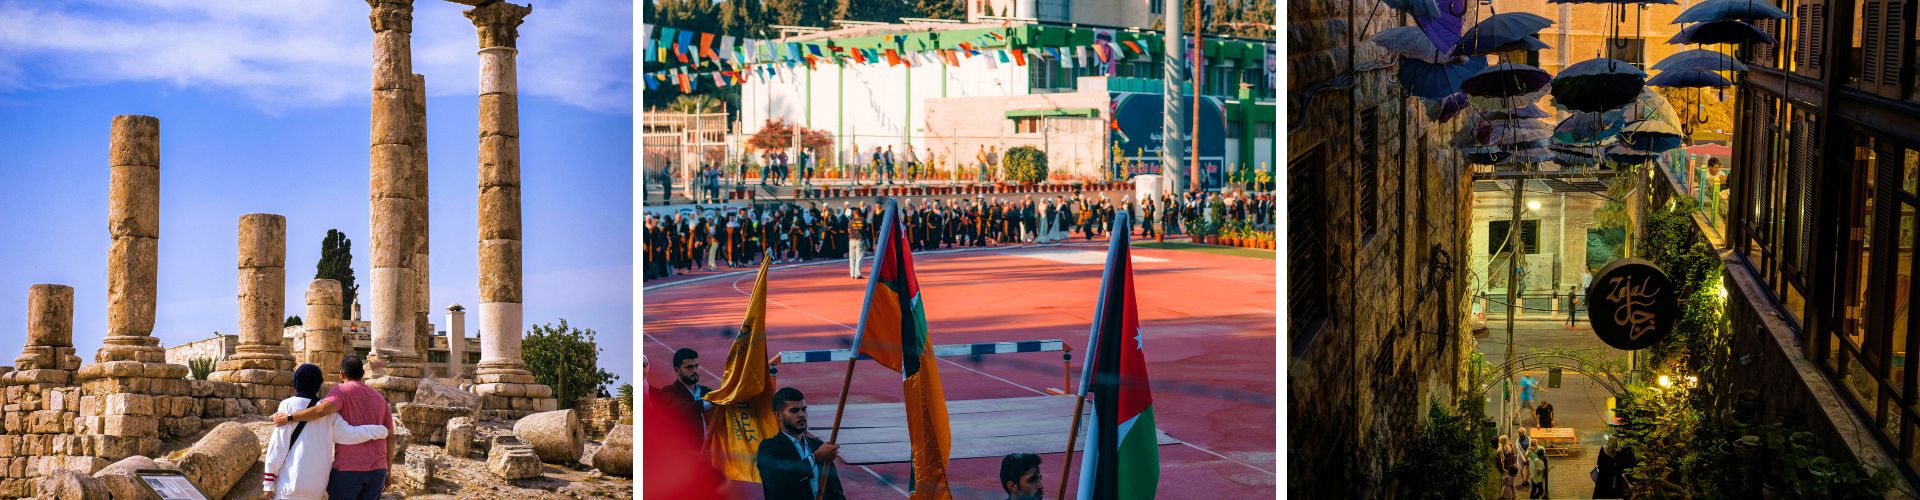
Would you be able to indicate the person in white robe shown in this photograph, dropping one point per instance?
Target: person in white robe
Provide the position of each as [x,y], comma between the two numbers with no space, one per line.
[299,469]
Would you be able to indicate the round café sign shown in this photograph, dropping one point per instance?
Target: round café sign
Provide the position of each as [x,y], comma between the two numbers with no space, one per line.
[1631,304]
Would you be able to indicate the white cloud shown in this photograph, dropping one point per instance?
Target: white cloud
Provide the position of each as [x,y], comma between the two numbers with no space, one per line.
[288,54]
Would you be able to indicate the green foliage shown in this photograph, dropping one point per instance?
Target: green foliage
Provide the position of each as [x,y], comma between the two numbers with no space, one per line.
[625,394]
[336,263]
[1659,426]
[1024,164]
[694,104]
[1613,212]
[292,321]
[566,359]
[1448,460]
[199,368]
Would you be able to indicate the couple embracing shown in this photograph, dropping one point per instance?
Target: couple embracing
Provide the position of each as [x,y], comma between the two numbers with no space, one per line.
[336,445]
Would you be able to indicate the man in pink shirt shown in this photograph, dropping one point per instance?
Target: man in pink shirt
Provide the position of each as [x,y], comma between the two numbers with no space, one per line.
[359,470]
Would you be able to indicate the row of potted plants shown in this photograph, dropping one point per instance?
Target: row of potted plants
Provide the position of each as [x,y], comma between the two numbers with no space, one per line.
[1239,234]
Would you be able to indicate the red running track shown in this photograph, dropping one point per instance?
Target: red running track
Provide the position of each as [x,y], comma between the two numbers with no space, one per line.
[1209,321]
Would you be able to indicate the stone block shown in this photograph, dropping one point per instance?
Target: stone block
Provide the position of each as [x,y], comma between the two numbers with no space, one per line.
[112,369]
[134,140]
[499,161]
[499,213]
[50,315]
[392,121]
[53,377]
[200,388]
[500,283]
[120,481]
[132,267]
[263,242]
[392,171]
[181,426]
[129,404]
[556,436]
[118,447]
[216,462]
[615,456]
[129,425]
[499,115]
[417,473]
[68,484]
[393,239]
[163,371]
[45,422]
[513,461]
[401,439]
[437,393]
[459,437]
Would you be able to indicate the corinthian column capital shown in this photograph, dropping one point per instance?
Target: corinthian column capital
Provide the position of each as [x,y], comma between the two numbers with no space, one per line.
[391,15]
[498,22]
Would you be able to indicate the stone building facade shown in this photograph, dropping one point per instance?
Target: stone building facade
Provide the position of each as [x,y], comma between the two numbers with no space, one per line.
[1378,224]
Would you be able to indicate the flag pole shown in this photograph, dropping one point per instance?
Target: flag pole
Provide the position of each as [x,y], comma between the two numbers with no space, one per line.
[839,412]
[1073,436]
[846,384]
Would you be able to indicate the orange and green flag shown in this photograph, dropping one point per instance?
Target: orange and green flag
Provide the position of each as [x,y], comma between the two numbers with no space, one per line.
[742,413]
[893,332]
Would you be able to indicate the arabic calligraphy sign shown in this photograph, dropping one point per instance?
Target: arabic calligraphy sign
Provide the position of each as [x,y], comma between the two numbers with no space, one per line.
[1631,304]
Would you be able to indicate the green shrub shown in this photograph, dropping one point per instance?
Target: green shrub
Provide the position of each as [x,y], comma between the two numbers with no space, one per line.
[200,367]
[1024,164]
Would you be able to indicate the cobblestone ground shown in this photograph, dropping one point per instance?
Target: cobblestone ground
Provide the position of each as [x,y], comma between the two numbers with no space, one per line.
[1579,402]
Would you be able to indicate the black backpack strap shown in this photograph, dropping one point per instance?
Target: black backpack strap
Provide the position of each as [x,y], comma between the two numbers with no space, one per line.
[299,427]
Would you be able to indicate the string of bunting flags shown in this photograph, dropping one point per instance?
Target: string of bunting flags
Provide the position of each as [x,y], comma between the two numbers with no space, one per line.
[725,60]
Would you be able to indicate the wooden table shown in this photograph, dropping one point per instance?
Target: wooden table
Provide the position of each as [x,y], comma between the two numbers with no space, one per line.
[1558,441]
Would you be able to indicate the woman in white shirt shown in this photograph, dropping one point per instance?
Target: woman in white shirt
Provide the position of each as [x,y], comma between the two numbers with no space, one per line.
[299,469]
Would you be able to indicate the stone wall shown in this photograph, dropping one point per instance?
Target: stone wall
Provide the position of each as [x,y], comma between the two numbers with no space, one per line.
[1562,240]
[1392,340]
[217,348]
[599,415]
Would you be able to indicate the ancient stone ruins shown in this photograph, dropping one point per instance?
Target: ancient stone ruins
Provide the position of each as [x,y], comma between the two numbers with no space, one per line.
[81,430]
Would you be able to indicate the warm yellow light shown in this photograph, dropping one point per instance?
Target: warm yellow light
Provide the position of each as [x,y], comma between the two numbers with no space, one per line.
[1533,205]
[1692,381]
[1665,381]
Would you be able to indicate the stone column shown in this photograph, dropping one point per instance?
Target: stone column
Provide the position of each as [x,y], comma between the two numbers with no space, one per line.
[49,354]
[261,364]
[501,377]
[133,221]
[422,296]
[325,339]
[393,205]
[456,341]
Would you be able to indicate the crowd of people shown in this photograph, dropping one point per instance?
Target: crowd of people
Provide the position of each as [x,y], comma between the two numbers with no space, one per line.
[710,239]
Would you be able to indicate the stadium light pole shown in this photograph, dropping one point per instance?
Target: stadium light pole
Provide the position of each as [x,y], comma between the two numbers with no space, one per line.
[1171,140]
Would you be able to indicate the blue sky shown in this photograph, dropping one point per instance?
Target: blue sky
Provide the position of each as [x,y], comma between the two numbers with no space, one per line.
[263,107]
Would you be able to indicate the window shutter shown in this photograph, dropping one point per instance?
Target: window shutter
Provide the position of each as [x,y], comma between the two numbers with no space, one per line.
[1809,41]
[1767,54]
[1872,51]
[1893,47]
[1799,194]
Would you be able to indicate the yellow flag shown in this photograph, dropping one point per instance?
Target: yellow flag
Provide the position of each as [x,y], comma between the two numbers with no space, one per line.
[742,413]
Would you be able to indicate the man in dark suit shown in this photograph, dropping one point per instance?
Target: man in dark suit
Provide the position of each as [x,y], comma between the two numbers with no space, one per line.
[684,396]
[791,464]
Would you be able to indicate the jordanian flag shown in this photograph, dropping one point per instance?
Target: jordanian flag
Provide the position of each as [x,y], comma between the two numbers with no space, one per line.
[742,413]
[1122,458]
[893,331]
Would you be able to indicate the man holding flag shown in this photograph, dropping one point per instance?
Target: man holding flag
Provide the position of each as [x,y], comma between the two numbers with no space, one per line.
[1122,459]
[893,332]
[742,414]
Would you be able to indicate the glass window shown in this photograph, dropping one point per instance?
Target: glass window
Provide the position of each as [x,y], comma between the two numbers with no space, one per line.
[1026,125]
[473,358]
[436,356]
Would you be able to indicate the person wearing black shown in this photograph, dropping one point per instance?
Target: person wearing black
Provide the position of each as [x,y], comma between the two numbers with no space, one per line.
[793,465]
[1020,477]
[1146,218]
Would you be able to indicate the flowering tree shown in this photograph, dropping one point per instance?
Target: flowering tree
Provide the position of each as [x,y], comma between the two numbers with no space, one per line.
[777,134]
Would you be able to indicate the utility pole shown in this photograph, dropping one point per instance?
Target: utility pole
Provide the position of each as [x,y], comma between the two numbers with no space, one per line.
[1199,27]
[1518,254]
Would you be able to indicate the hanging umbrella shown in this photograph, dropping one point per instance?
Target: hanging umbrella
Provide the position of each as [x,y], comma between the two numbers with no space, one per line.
[1434,81]
[1588,128]
[1576,155]
[1725,10]
[1652,136]
[1493,158]
[1689,79]
[1439,20]
[1409,41]
[1651,105]
[1505,86]
[1699,60]
[1621,2]
[1529,156]
[1500,29]
[1627,155]
[1597,85]
[1529,111]
[1445,109]
[1710,33]
[1483,46]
